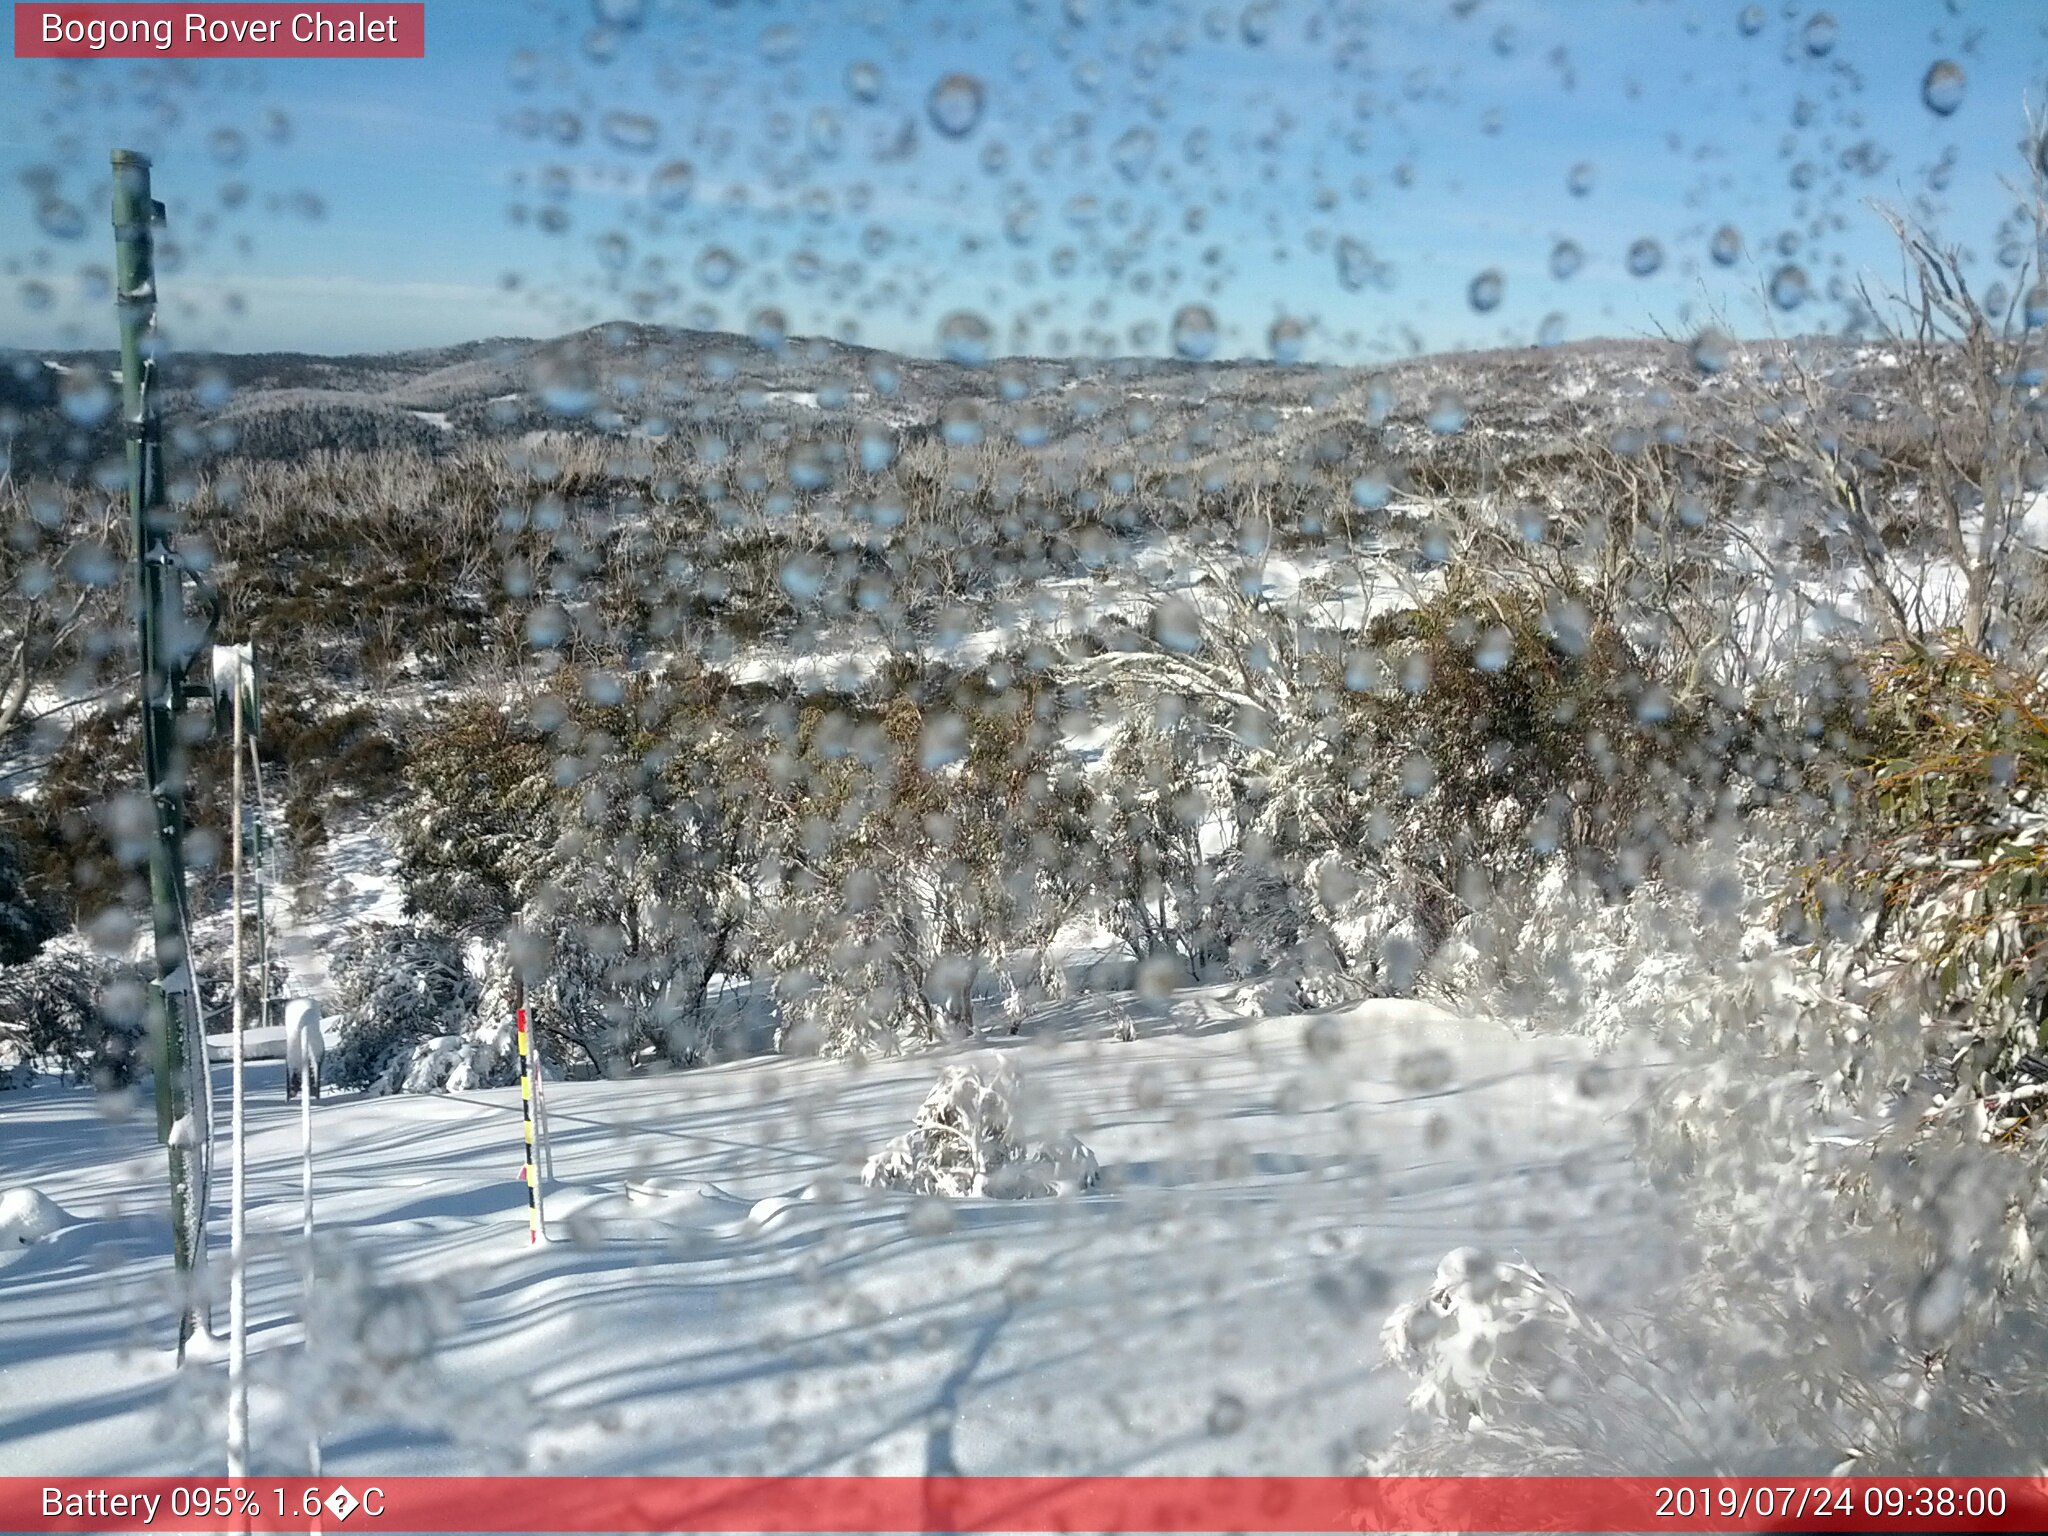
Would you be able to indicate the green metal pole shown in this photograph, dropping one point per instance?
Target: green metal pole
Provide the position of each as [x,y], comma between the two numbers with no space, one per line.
[159,622]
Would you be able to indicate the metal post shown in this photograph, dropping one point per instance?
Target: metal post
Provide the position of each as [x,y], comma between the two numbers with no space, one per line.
[159,622]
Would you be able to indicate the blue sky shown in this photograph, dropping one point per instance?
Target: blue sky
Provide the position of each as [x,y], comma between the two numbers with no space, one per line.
[353,205]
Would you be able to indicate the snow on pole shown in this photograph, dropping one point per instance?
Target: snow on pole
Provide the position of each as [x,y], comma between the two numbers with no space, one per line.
[540,1125]
[536,1222]
[238,1202]
[302,1017]
[529,1076]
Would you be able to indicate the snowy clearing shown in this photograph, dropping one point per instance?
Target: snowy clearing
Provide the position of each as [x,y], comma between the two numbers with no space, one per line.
[721,1295]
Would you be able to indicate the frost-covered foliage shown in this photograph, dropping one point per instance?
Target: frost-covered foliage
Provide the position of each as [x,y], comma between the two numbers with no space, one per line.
[1510,1371]
[619,857]
[1945,892]
[1281,784]
[70,1013]
[476,812]
[213,969]
[910,854]
[1861,1268]
[967,1141]
[642,895]
[408,1009]
[25,923]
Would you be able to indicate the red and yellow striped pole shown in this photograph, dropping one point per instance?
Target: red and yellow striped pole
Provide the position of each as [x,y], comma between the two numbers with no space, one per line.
[535,1219]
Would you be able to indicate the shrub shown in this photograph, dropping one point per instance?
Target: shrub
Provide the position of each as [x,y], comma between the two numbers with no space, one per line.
[26,921]
[1950,879]
[70,1013]
[404,992]
[966,1141]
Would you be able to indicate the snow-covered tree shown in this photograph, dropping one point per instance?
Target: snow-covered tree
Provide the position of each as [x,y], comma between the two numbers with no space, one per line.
[967,1141]
[912,855]
[72,1013]
[408,1007]
[25,923]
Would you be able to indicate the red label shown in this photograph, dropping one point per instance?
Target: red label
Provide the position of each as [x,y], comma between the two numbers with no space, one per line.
[217,31]
[911,1505]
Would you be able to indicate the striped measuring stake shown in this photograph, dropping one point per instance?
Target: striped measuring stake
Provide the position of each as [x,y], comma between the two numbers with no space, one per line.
[529,1077]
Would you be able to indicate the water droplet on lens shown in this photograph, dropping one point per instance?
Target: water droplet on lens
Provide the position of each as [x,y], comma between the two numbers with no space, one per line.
[1789,286]
[1447,413]
[1938,1304]
[1285,340]
[863,81]
[716,267]
[670,187]
[1132,154]
[1177,626]
[1159,975]
[945,741]
[1645,257]
[1429,1070]
[1750,20]
[635,132]
[1726,246]
[1356,265]
[877,450]
[955,104]
[1551,332]
[1371,490]
[804,577]
[1819,34]
[768,329]
[965,337]
[1486,290]
[1942,90]
[1710,350]
[1565,260]
[1227,1414]
[1579,180]
[1194,332]
[85,398]
[60,220]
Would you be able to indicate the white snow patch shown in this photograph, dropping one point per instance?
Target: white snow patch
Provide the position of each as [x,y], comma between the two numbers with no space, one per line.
[27,1216]
[720,1293]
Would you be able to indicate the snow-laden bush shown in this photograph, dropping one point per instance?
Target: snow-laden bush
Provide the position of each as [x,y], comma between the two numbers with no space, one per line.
[213,969]
[25,923]
[407,1001]
[910,852]
[71,1013]
[1947,883]
[967,1141]
[1864,1273]
[1510,1371]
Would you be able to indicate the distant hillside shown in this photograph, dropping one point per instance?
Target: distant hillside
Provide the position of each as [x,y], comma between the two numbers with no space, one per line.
[58,410]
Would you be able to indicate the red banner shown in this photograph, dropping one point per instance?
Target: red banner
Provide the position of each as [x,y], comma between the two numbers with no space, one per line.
[1025,1504]
[221,31]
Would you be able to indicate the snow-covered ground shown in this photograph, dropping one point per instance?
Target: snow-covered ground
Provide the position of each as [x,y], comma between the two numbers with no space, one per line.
[1271,1186]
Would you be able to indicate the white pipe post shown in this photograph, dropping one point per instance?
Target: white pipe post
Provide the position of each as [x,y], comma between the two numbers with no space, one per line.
[306,1279]
[238,1209]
